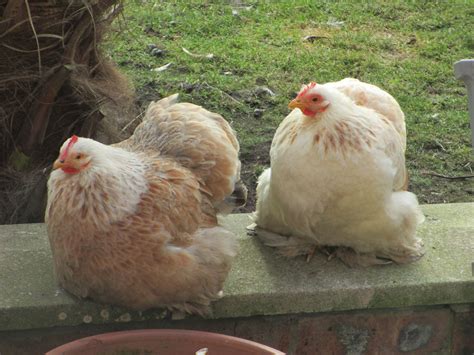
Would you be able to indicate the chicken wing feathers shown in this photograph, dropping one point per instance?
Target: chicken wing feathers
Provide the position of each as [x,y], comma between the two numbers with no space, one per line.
[373,97]
[200,140]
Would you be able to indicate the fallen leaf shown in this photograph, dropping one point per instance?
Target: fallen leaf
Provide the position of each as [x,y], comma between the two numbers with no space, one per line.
[262,90]
[335,23]
[312,38]
[157,52]
[411,40]
[258,112]
[208,56]
[162,68]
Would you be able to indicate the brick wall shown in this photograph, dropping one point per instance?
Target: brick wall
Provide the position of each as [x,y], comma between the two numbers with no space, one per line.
[437,330]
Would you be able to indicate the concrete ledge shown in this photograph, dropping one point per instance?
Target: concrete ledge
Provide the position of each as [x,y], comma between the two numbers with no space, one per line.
[260,284]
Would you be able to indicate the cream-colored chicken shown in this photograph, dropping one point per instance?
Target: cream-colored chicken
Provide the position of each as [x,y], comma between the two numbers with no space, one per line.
[135,224]
[337,178]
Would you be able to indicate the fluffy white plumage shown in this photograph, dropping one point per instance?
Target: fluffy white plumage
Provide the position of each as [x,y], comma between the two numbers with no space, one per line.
[336,179]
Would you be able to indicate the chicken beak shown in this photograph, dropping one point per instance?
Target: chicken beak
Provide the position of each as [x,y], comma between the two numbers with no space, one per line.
[296,103]
[58,164]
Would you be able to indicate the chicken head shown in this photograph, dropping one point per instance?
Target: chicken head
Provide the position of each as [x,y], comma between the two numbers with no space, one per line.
[310,100]
[72,160]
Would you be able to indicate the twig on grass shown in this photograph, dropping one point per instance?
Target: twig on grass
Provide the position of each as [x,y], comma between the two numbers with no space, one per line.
[222,92]
[462,177]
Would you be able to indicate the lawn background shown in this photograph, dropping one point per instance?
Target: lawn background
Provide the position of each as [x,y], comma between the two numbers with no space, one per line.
[261,58]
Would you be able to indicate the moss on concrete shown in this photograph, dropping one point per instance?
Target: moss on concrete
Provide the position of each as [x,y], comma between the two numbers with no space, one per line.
[260,283]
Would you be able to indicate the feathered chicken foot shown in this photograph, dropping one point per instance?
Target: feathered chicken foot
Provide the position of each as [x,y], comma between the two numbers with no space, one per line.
[330,252]
[354,259]
[251,230]
[288,246]
[310,254]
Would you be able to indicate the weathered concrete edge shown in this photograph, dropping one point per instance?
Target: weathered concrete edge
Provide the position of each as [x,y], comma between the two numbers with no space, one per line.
[84,312]
[70,312]
[349,299]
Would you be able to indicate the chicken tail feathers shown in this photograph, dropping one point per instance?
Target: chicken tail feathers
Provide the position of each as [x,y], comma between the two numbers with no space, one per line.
[162,104]
[199,140]
[406,217]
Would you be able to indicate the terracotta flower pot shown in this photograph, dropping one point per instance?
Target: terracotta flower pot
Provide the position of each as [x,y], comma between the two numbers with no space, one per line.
[162,342]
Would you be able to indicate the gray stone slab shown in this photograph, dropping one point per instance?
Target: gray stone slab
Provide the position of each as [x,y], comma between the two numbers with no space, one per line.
[260,283]
[464,70]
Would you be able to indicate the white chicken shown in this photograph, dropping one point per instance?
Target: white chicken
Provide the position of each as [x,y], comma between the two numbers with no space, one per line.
[338,176]
[135,224]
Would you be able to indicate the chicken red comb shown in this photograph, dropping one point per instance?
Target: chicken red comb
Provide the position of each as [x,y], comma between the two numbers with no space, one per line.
[305,88]
[72,141]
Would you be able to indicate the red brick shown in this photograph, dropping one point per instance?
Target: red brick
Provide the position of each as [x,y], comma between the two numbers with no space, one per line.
[274,332]
[463,332]
[376,332]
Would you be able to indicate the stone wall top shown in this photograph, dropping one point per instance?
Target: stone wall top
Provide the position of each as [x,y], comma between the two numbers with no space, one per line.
[260,283]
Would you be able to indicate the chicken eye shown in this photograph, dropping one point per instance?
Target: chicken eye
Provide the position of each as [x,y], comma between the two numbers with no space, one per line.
[78,156]
[315,99]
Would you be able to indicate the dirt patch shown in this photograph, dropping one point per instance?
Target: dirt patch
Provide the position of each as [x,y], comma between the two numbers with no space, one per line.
[443,191]
[253,165]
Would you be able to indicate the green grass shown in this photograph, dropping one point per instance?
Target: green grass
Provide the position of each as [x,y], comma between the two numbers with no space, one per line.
[406,48]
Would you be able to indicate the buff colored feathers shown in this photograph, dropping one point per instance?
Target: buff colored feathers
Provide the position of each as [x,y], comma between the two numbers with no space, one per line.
[135,224]
[338,178]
